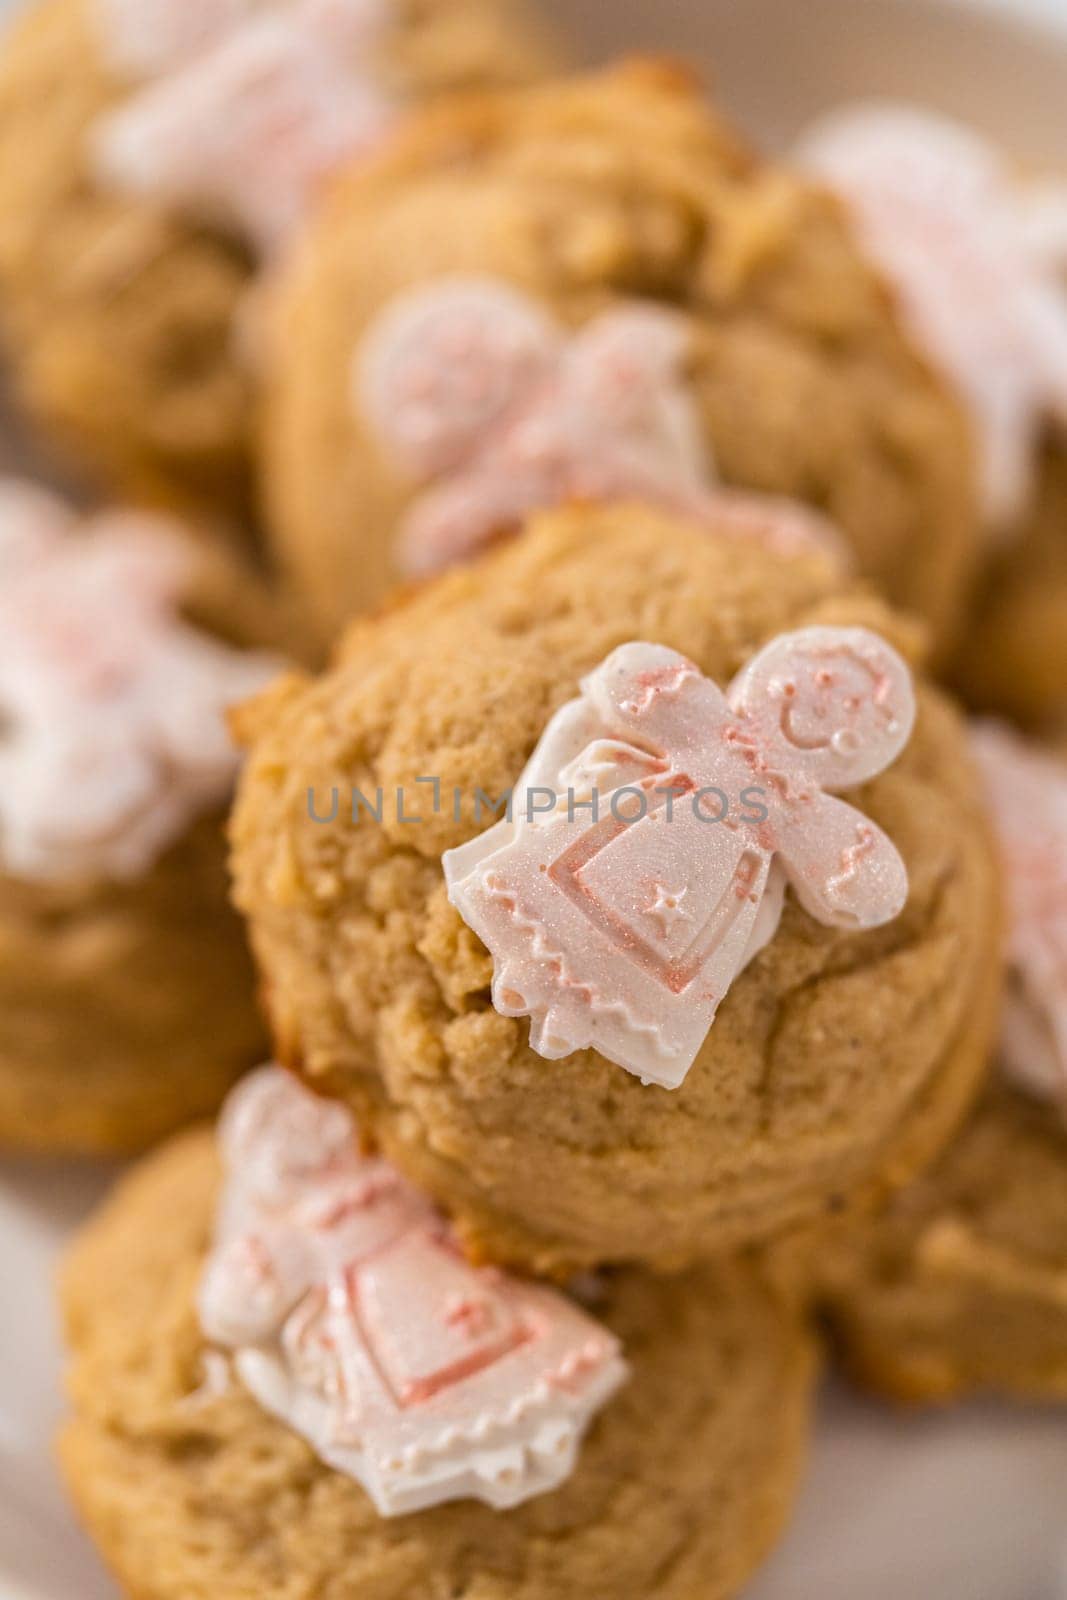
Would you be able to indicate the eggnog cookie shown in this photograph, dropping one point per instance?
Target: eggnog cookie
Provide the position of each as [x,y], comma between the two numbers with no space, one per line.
[1013,658]
[976,256]
[496,1045]
[190,1484]
[126,991]
[584,291]
[962,1285]
[142,185]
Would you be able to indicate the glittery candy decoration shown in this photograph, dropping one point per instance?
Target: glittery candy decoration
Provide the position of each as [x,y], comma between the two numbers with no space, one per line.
[654,830]
[495,410]
[356,1321]
[979,261]
[143,38]
[1027,792]
[112,732]
[245,133]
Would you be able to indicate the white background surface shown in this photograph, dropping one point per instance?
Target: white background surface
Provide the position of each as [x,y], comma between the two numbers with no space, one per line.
[971,1505]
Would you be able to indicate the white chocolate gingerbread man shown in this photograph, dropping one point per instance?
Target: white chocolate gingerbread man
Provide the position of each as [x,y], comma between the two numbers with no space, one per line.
[248,124]
[112,729]
[1027,792]
[354,1318]
[481,398]
[622,928]
[979,261]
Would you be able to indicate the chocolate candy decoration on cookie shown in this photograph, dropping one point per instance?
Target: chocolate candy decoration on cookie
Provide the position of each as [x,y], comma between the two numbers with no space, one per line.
[656,826]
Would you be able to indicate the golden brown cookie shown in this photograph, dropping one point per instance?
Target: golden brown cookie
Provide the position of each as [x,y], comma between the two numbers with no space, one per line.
[127,1000]
[837,1059]
[1013,656]
[974,252]
[681,1485]
[586,198]
[961,1287]
[120,317]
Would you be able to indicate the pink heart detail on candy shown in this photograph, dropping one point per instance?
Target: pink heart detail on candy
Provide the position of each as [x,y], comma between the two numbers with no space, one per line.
[1027,792]
[622,929]
[355,1319]
[479,395]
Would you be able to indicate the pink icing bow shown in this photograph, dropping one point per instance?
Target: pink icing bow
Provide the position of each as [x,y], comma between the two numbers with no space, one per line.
[622,927]
[246,129]
[980,263]
[1027,793]
[479,395]
[112,733]
[356,1320]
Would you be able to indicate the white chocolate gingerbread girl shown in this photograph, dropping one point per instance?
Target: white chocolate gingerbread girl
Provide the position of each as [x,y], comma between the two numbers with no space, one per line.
[112,706]
[1027,792]
[494,410]
[247,108]
[656,826]
[978,258]
[353,1317]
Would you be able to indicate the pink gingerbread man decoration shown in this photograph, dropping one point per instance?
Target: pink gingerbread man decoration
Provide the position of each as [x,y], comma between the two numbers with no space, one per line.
[656,826]
[354,1318]
[979,260]
[112,728]
[1027,793]
[478,395]
[246,130]
[144,38]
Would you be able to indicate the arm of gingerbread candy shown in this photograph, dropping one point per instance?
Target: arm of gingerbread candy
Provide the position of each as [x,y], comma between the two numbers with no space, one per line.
[844,870]
[651,697]
[252,1281]
[450,522]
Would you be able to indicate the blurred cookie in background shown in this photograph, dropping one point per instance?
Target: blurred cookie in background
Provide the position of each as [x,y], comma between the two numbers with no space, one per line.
[975,254]
[126,991]
[154,157]
[592,290]
[962,1285]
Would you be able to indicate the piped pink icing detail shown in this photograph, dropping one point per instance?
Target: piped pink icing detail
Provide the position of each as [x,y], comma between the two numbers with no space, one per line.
[245,132]
[1027,792]
[479,396]
[622,929]
[112,732]
[979,261]
[354,1318]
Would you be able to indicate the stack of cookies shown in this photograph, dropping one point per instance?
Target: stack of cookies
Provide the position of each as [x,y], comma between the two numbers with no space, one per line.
[559,525]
